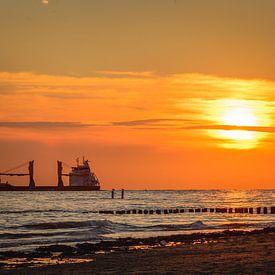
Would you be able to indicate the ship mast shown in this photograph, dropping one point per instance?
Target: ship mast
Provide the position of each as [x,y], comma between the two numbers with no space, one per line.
[59,174]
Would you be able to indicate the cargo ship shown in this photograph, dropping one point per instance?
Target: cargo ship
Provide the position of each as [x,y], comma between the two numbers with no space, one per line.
[81,178]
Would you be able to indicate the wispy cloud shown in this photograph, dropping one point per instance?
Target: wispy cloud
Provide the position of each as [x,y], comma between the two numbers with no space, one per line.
[155,122]
[127,74]
[6,88]
[45,2]
[262,129]
[70,95]
[118,102]
[188,124]
[42,124]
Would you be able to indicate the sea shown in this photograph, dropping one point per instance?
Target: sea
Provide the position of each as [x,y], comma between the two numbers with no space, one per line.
[32,219]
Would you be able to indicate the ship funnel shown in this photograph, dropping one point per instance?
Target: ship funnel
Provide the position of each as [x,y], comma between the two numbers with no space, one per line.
[59,174]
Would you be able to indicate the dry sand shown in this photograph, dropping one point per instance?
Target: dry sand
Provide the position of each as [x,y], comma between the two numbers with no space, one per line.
[229,254]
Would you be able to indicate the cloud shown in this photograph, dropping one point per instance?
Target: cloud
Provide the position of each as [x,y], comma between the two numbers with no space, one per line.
[178,124]
[45,2]
[145,124]
[127,74]
[69,95]
[152,122]
[118,102]
[262,129]
[42,124]
[6,88]
[153,86]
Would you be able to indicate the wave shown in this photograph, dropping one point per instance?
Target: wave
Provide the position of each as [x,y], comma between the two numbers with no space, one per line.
[92,224]
[113,226]
[246,225]
[106,226]
[24,235]
[97,230]
[176,227]
[199,225]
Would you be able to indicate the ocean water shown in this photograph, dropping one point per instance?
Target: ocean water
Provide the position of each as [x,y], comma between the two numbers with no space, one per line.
[31,219]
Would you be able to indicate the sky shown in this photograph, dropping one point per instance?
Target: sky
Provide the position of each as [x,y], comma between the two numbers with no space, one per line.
[157,94]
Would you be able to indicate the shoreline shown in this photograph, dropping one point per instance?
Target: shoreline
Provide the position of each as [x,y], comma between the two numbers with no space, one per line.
[85,257]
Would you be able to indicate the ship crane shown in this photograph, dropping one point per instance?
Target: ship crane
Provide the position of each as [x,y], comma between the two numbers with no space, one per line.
[30,173]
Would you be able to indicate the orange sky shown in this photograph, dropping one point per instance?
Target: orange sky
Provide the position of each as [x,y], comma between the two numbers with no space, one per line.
[142,130]
[172,101]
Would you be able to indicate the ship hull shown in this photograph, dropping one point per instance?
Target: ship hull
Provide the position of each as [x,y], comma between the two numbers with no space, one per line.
[49,188]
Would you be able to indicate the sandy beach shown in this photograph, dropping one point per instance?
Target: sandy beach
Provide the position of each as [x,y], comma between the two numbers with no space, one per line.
[229,252]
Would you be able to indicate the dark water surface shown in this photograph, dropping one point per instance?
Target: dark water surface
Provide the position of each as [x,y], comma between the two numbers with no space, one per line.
[30,219]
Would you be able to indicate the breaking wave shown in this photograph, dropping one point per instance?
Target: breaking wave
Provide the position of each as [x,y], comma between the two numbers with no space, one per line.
[71,224]
[99,225]
[106,226]
[46,233]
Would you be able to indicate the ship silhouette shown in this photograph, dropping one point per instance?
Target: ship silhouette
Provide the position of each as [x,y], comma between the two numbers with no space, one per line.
[81,178]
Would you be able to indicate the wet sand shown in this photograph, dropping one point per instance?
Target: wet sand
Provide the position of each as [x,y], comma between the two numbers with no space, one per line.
[229,252]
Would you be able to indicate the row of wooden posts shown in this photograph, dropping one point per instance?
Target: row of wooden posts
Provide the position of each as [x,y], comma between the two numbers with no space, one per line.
[239,210]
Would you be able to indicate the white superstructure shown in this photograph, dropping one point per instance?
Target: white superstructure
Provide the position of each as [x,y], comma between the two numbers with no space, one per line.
[81,175]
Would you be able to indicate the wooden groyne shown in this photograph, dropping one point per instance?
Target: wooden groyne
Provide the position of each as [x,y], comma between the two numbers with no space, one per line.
[239,210]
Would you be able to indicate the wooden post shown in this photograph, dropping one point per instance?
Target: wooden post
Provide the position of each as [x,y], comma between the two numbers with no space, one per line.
[122,193]
[113,193]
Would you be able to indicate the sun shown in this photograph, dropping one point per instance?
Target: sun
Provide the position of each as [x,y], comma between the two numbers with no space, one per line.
[240,116]
[232,112]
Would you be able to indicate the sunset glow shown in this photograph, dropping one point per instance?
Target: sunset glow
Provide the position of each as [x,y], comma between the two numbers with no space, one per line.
[240,113]
[167,102]
[126,122]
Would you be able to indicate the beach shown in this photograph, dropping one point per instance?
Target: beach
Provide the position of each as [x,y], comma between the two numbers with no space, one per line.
[227,252]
